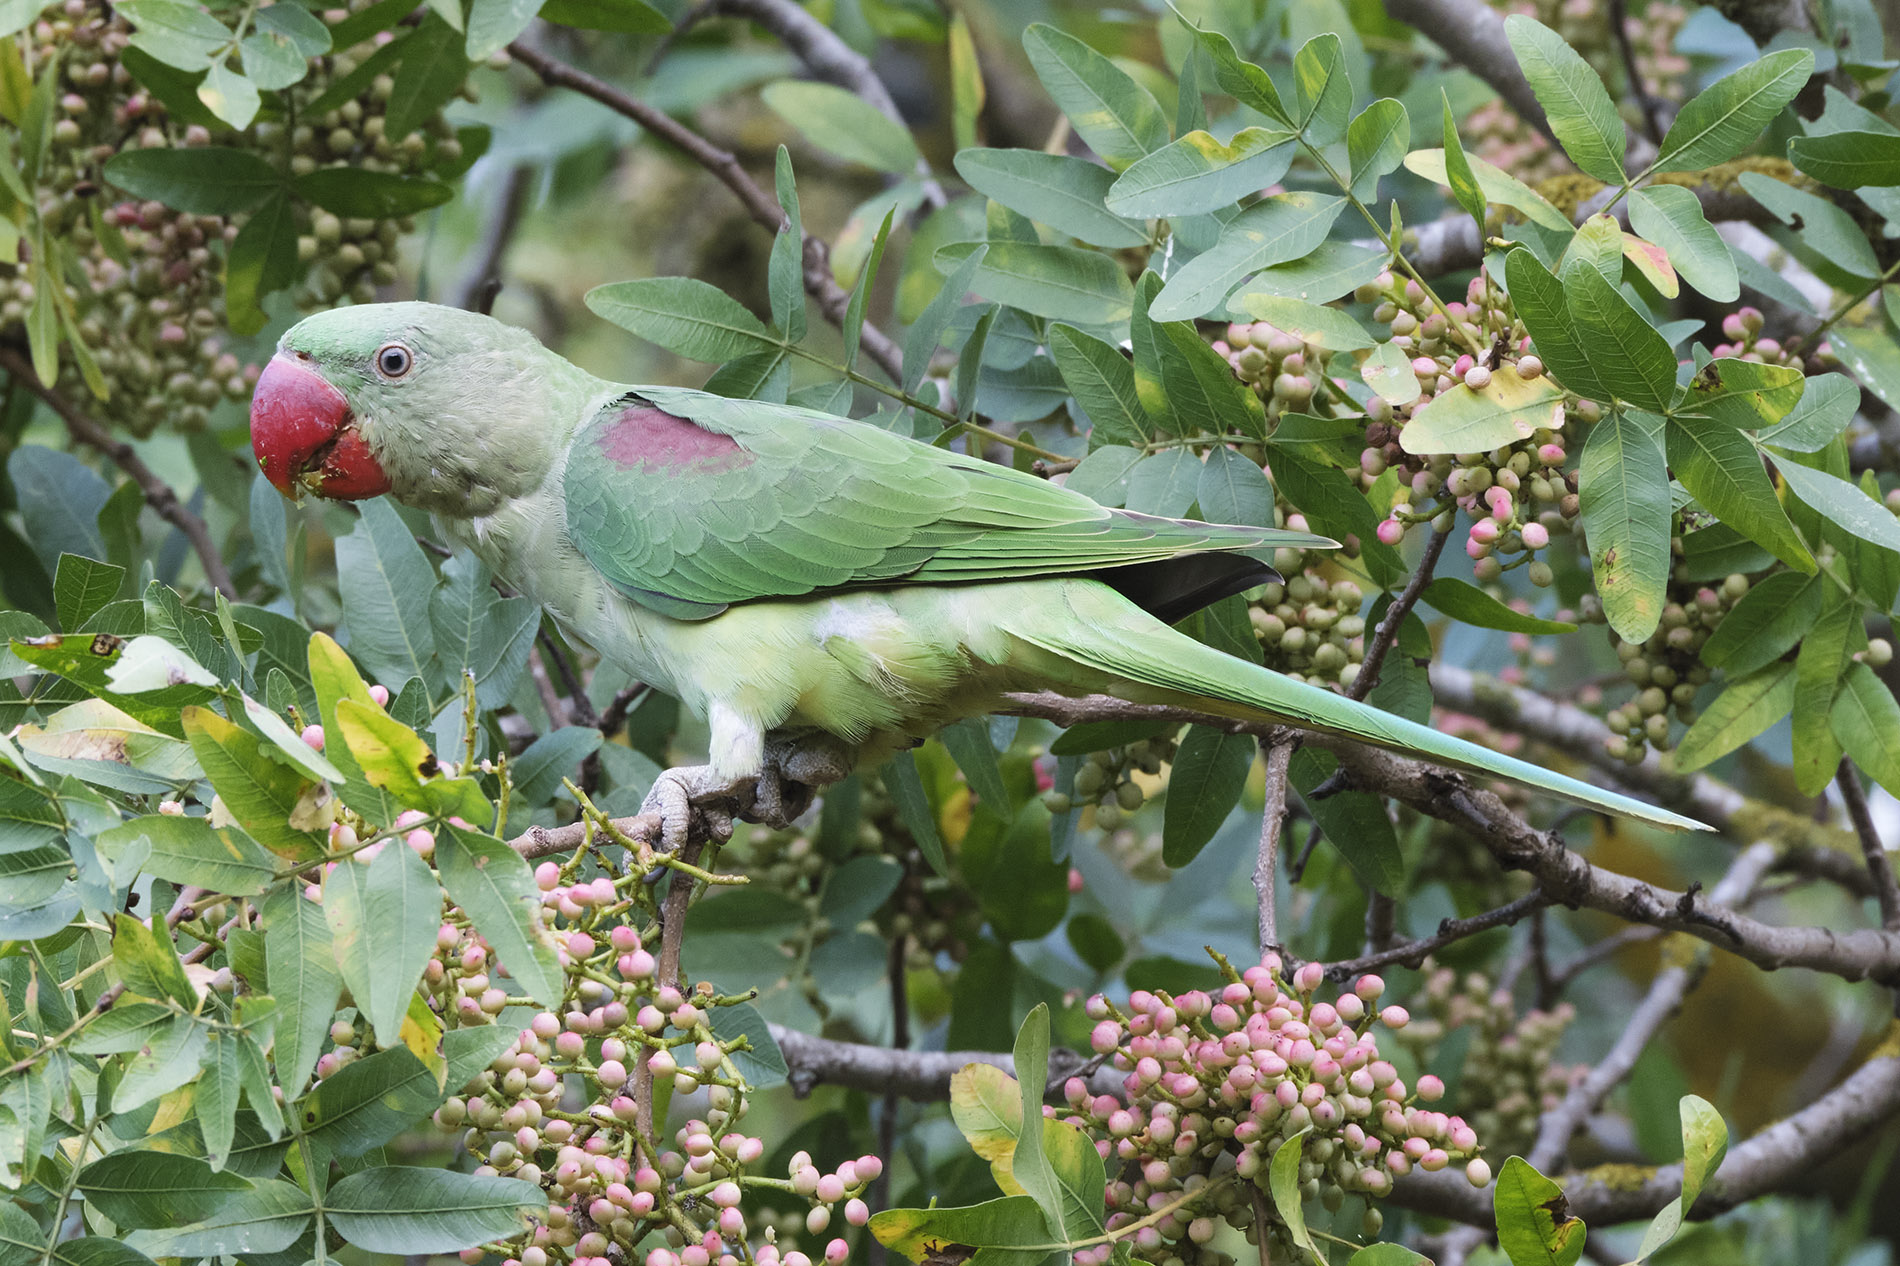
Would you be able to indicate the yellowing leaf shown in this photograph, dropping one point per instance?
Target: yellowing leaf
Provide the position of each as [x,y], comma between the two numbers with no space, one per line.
[1504,411]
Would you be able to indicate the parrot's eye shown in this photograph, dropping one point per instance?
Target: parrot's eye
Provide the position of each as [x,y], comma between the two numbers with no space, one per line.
[393,360]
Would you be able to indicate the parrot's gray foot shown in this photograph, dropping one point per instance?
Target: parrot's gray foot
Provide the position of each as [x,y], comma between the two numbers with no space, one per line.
[680,793]
[794,771]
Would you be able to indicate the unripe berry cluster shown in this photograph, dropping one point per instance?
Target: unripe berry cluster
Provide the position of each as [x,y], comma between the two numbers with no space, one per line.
[1310,628]
[1216,1082]
[1667,670]
[1287,373]
[1510,1075]
[151,303]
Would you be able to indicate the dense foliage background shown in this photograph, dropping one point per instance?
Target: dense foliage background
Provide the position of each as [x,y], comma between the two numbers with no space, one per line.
[328,927]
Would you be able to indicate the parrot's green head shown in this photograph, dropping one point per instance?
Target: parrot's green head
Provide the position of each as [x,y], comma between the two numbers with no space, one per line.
[447,410]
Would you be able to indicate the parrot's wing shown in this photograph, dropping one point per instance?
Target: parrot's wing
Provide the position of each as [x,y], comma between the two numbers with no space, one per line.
[689,502]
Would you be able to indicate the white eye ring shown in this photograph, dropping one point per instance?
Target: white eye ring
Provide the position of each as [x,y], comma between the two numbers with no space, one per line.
[393,360]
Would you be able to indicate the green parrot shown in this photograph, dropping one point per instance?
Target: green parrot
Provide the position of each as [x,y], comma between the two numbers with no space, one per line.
[822,591]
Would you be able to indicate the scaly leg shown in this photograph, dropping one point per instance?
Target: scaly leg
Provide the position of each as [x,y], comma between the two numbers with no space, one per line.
[795,768]
[679,791]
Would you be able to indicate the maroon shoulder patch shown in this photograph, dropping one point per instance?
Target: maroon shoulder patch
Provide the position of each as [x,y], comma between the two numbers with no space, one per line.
[643,436]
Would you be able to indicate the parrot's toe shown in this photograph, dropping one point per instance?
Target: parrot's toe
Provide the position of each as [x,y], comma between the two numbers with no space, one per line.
[795,769]
[680,793]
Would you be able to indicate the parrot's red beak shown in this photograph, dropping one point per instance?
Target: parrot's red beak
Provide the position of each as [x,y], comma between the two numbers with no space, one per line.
[305,436]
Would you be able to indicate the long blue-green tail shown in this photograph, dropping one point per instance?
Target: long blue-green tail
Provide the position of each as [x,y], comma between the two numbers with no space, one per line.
[1099,629]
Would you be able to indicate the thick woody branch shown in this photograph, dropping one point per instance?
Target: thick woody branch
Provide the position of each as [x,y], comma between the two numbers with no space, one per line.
[725,166]
[1666,992]
[1472,32]
[1770,1161]
[919,1075]
[158,494]
[1279,754]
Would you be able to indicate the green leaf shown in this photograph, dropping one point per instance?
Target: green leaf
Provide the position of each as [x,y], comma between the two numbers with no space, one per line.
[1198,174]
[1324,327]
[966,82]
[148,962]
[1704,1142]
[1744,394]
[1102,381]
[1355,823]
[1624,489]
[263,795]
[1817,673]
[373,1099]
[180,35]
[1322,90]
[1820,225]
[229,95]
[907,793]
[1210,771]
[1826,407]
[843,124]
[1742,711]
[1499,187]
[81,586]
[1722,469]
[785,273]
[139,1189]
[169,1061]
[1283,1180]
[186,850]
[305,31]
[263,258]
[272,61]
[1012,1228]
[629,17]
[1388,1255]
[269,1218]
[1117,117]
[1725,118]
[1505,411]
[1332,270]
[1849,160]
[1841,502]
[1376,143]
[968,742]
[1058,190]
[1866,721]
[200,180]
[1334,505]
[1672,218]
[1237,77]
[370,195]
[300,961]
[394,758]
[1871,355]
[385,581]
[1581,113]
[1465,189]
[1464,601]
[493,24]
[383,919]
[1634,360]
[686,316]
[408,1209]
[1234,490]
[1534,1223]
[434,68]
[1203,386]
[496,889]
[1774,615]
[1273,231]
[1063,283]
[97,1250]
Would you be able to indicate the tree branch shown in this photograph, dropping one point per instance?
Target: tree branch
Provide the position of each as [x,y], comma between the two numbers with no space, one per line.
[1388,631]
[831,59]
[1879,866]
[1279,753]
[761,206]
[477,287]
[923,1076]
[158,494]
[1412,953]
[1472,32]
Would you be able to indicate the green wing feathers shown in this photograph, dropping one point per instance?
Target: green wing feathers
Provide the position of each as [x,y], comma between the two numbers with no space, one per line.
[1100,630]
[689,502]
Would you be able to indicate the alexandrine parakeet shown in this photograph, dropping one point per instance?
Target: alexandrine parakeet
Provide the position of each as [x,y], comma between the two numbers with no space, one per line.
[807,583]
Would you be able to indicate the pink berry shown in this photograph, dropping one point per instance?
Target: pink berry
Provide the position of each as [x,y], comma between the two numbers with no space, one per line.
[1536,536]
[1391,532]
[379,695]
[1430,1088]
[313,735]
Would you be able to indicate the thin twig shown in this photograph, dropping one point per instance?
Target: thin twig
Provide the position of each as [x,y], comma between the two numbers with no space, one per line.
[625,700]
[1278,750]
[1879,866]
[761,206]
[1412,953]
[580,709]
[478,286]
[158,494]
[1388,631]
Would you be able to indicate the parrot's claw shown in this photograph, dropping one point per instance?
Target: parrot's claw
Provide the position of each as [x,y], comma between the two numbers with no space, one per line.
[679,793]
[793,772]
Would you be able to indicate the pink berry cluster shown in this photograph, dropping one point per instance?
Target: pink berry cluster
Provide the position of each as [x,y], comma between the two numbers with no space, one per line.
[1215,1082]
[1518,498]
[1284,371]
[1511,1075]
